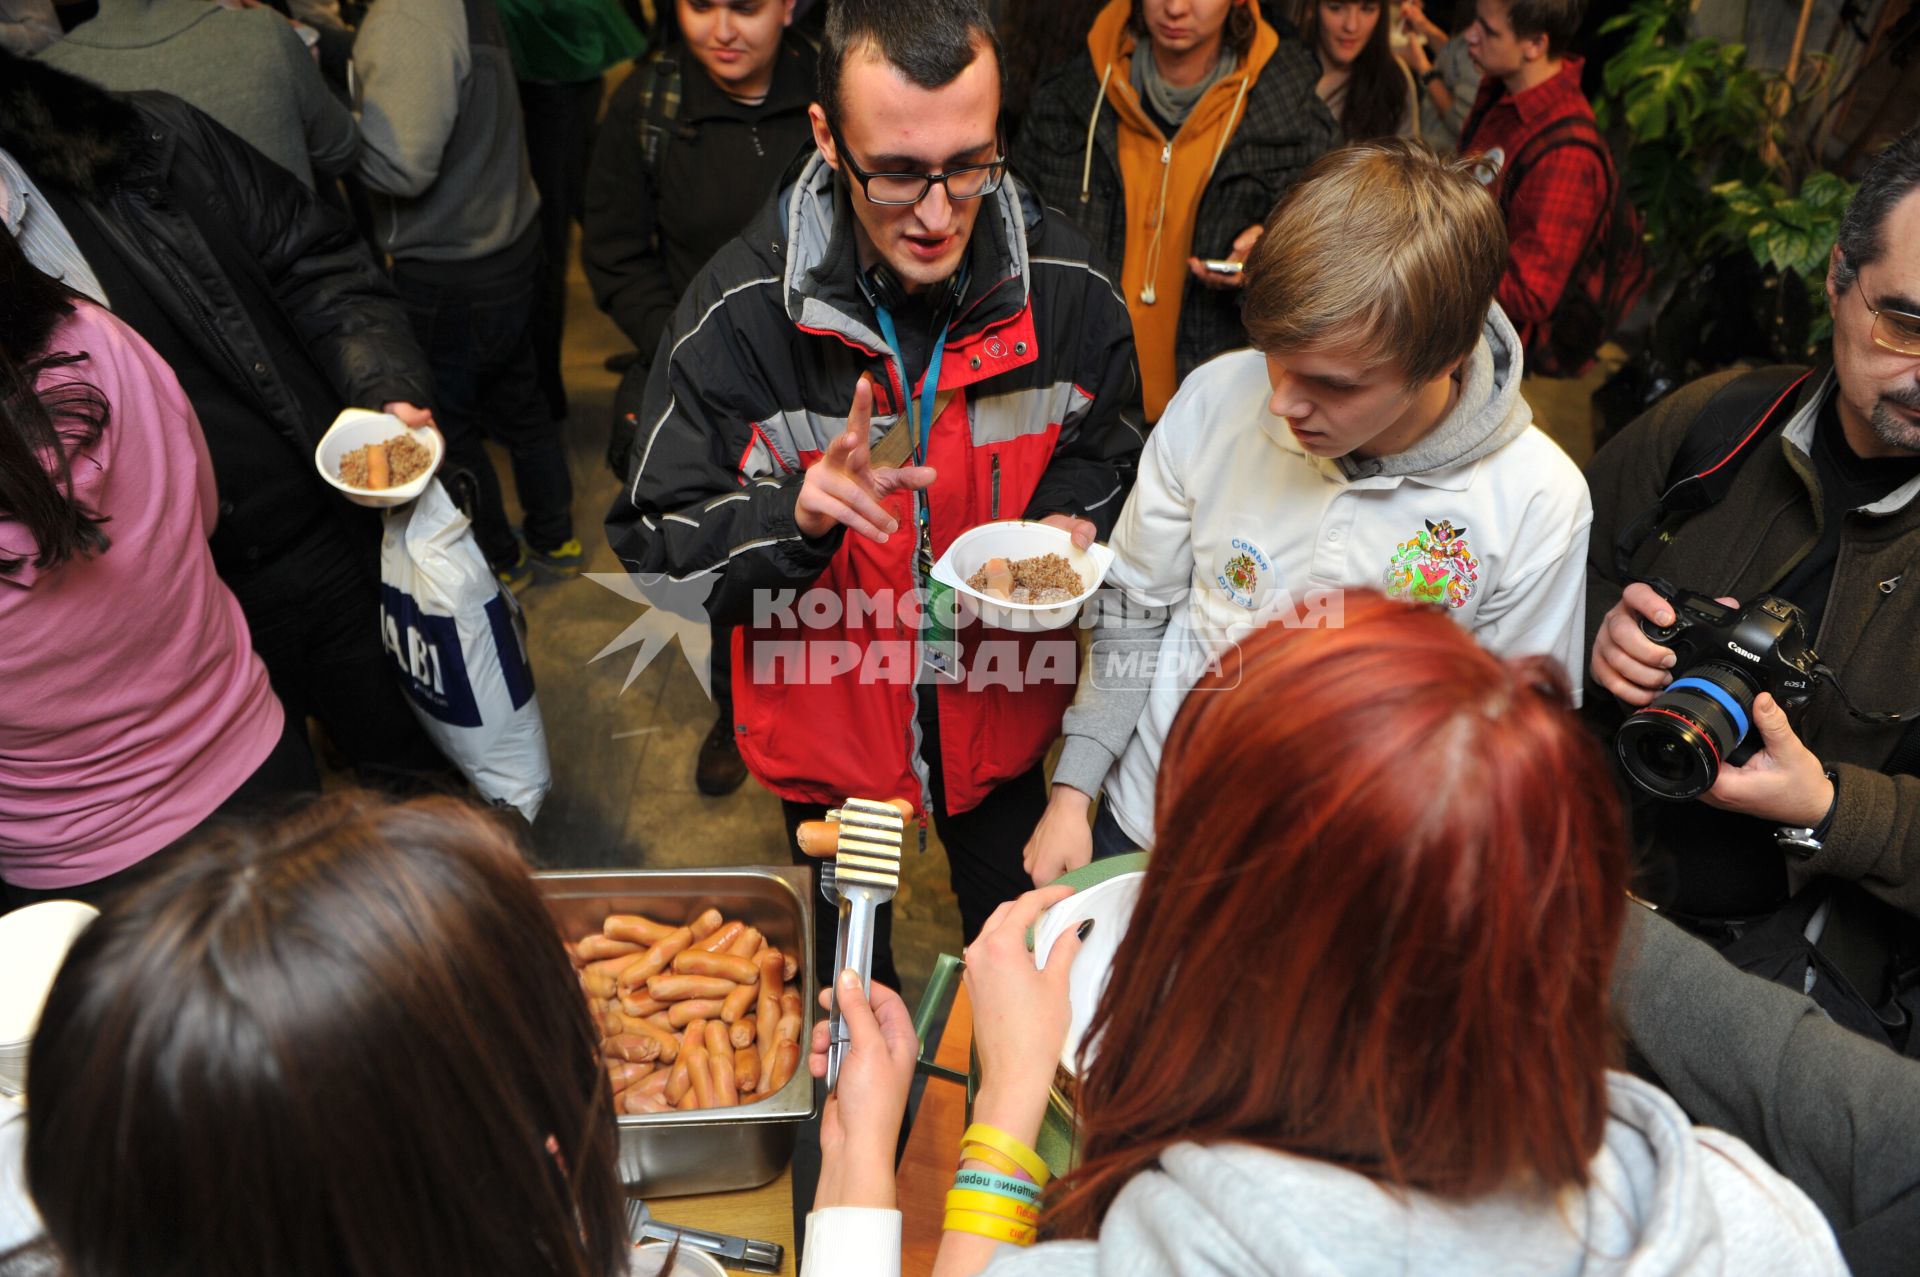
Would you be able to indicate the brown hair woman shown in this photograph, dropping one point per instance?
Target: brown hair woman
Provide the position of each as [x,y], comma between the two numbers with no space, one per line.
[348,1045]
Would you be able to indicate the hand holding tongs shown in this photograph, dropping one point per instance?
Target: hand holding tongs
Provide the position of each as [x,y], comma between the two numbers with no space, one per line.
[864,837]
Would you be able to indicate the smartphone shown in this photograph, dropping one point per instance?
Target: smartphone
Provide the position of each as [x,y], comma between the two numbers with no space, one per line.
[1221,266]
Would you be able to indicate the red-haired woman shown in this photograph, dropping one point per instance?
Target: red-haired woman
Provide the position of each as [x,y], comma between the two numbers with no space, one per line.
[1359,1021]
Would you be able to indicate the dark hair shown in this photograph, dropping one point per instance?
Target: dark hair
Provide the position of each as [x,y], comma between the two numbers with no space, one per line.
[929,42]
[1377,88]
[346,1044]
[1242,24]
[1558,20]
[1893,175]
[1417,876]
[40,430]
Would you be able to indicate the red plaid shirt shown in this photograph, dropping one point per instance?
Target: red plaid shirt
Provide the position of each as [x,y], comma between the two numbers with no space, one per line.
[1560,201]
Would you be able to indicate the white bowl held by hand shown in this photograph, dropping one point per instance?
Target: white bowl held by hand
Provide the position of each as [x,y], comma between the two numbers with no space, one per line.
[358,427]
[1020,539]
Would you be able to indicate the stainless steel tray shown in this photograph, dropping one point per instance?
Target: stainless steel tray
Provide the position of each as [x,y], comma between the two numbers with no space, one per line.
[711,1150]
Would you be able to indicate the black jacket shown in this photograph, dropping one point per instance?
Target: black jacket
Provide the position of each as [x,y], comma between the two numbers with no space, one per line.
[1285,128]
[678,169]
[276,288]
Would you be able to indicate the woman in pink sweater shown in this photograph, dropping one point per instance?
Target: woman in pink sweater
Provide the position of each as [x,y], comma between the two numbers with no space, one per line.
[132,707]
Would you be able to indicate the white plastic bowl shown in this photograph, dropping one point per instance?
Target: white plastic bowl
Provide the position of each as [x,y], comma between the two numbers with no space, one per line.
[33,943]
[1110,904]
[358,427]
[1019,539]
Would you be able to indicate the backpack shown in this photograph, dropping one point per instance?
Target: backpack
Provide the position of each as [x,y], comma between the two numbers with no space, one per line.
[659,106]
[1833,936]
[1608,277]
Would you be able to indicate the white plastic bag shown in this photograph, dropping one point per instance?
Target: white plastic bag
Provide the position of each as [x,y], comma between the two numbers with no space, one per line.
[461,645]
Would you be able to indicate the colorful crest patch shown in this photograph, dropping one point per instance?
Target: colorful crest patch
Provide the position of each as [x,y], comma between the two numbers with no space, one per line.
[1436,566]
[1240,575]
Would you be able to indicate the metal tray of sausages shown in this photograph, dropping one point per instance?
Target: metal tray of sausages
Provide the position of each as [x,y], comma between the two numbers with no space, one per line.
[706,1150]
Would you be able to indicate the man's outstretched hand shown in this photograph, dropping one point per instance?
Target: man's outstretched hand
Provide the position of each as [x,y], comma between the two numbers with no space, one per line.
[845,487]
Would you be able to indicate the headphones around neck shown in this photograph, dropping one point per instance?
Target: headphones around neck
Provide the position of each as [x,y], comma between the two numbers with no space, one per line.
[884,289]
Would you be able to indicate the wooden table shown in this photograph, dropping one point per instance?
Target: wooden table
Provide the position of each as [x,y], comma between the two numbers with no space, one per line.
[765,1213]
[933,1146]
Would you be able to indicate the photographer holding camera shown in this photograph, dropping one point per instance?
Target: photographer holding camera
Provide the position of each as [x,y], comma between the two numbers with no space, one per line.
[1746,523]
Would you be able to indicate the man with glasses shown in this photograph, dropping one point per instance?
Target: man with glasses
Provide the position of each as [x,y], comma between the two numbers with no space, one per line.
[903,345]
[1817,838]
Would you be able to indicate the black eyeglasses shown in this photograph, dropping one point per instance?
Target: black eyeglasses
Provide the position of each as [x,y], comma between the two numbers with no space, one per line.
[967,183]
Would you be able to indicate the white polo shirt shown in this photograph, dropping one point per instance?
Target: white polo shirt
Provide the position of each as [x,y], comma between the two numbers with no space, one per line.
[1231,524]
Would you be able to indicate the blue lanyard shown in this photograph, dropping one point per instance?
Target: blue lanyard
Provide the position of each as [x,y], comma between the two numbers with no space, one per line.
[920,425]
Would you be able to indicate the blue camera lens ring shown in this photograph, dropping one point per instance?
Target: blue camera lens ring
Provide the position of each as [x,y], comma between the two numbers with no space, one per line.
[1718,695]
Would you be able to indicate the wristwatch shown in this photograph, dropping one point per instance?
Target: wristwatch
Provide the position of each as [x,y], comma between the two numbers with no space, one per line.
[1431,75]
[1803,842]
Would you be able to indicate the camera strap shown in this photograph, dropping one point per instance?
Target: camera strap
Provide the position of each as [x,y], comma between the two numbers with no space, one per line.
[1718,442]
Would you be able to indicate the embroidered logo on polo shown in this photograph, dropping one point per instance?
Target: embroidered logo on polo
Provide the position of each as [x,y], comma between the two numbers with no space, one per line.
[1434,566]
[1240,575]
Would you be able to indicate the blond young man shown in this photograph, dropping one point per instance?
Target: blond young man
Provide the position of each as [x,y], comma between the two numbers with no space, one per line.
[1374,436]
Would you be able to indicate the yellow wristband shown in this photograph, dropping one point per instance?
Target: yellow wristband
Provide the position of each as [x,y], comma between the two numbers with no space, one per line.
[999,1161]
[999,1229]
[992,1204]
[1001,1142]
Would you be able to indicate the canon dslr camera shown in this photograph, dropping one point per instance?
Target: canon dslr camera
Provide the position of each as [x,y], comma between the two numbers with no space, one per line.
[1724,658]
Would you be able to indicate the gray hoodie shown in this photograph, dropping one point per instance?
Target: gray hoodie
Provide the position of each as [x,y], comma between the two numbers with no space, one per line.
[1664,1198]
[1231,524]
[445,154]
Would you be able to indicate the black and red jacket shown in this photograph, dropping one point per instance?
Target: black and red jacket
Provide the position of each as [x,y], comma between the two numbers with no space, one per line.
[1039,414]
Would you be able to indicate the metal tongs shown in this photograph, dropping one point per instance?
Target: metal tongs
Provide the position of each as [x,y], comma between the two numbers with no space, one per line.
[863,875]
[735,1252]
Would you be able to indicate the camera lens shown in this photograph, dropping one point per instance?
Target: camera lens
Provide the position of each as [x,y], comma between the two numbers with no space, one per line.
[1674,747]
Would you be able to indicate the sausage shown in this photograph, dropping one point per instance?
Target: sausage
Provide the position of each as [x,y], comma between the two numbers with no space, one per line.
[681,1014]
[786,1060]
[788,1029]
[641,1004]
[725,966]
[719,940]
[818,838]
[706,924]
[595,948]
[699,1068]
[598,985]
[740,1033]
[379,474]
[688,1102]
[622,1074]
[748,944]
[641,1101]
[720,1056]
[672,988]
[746,1068]
[635,929]
[767,1016]
[663,951]
[999,582]
[789,967]
[668,1043]
[738,1003]
[678,1081]
[635,1048]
